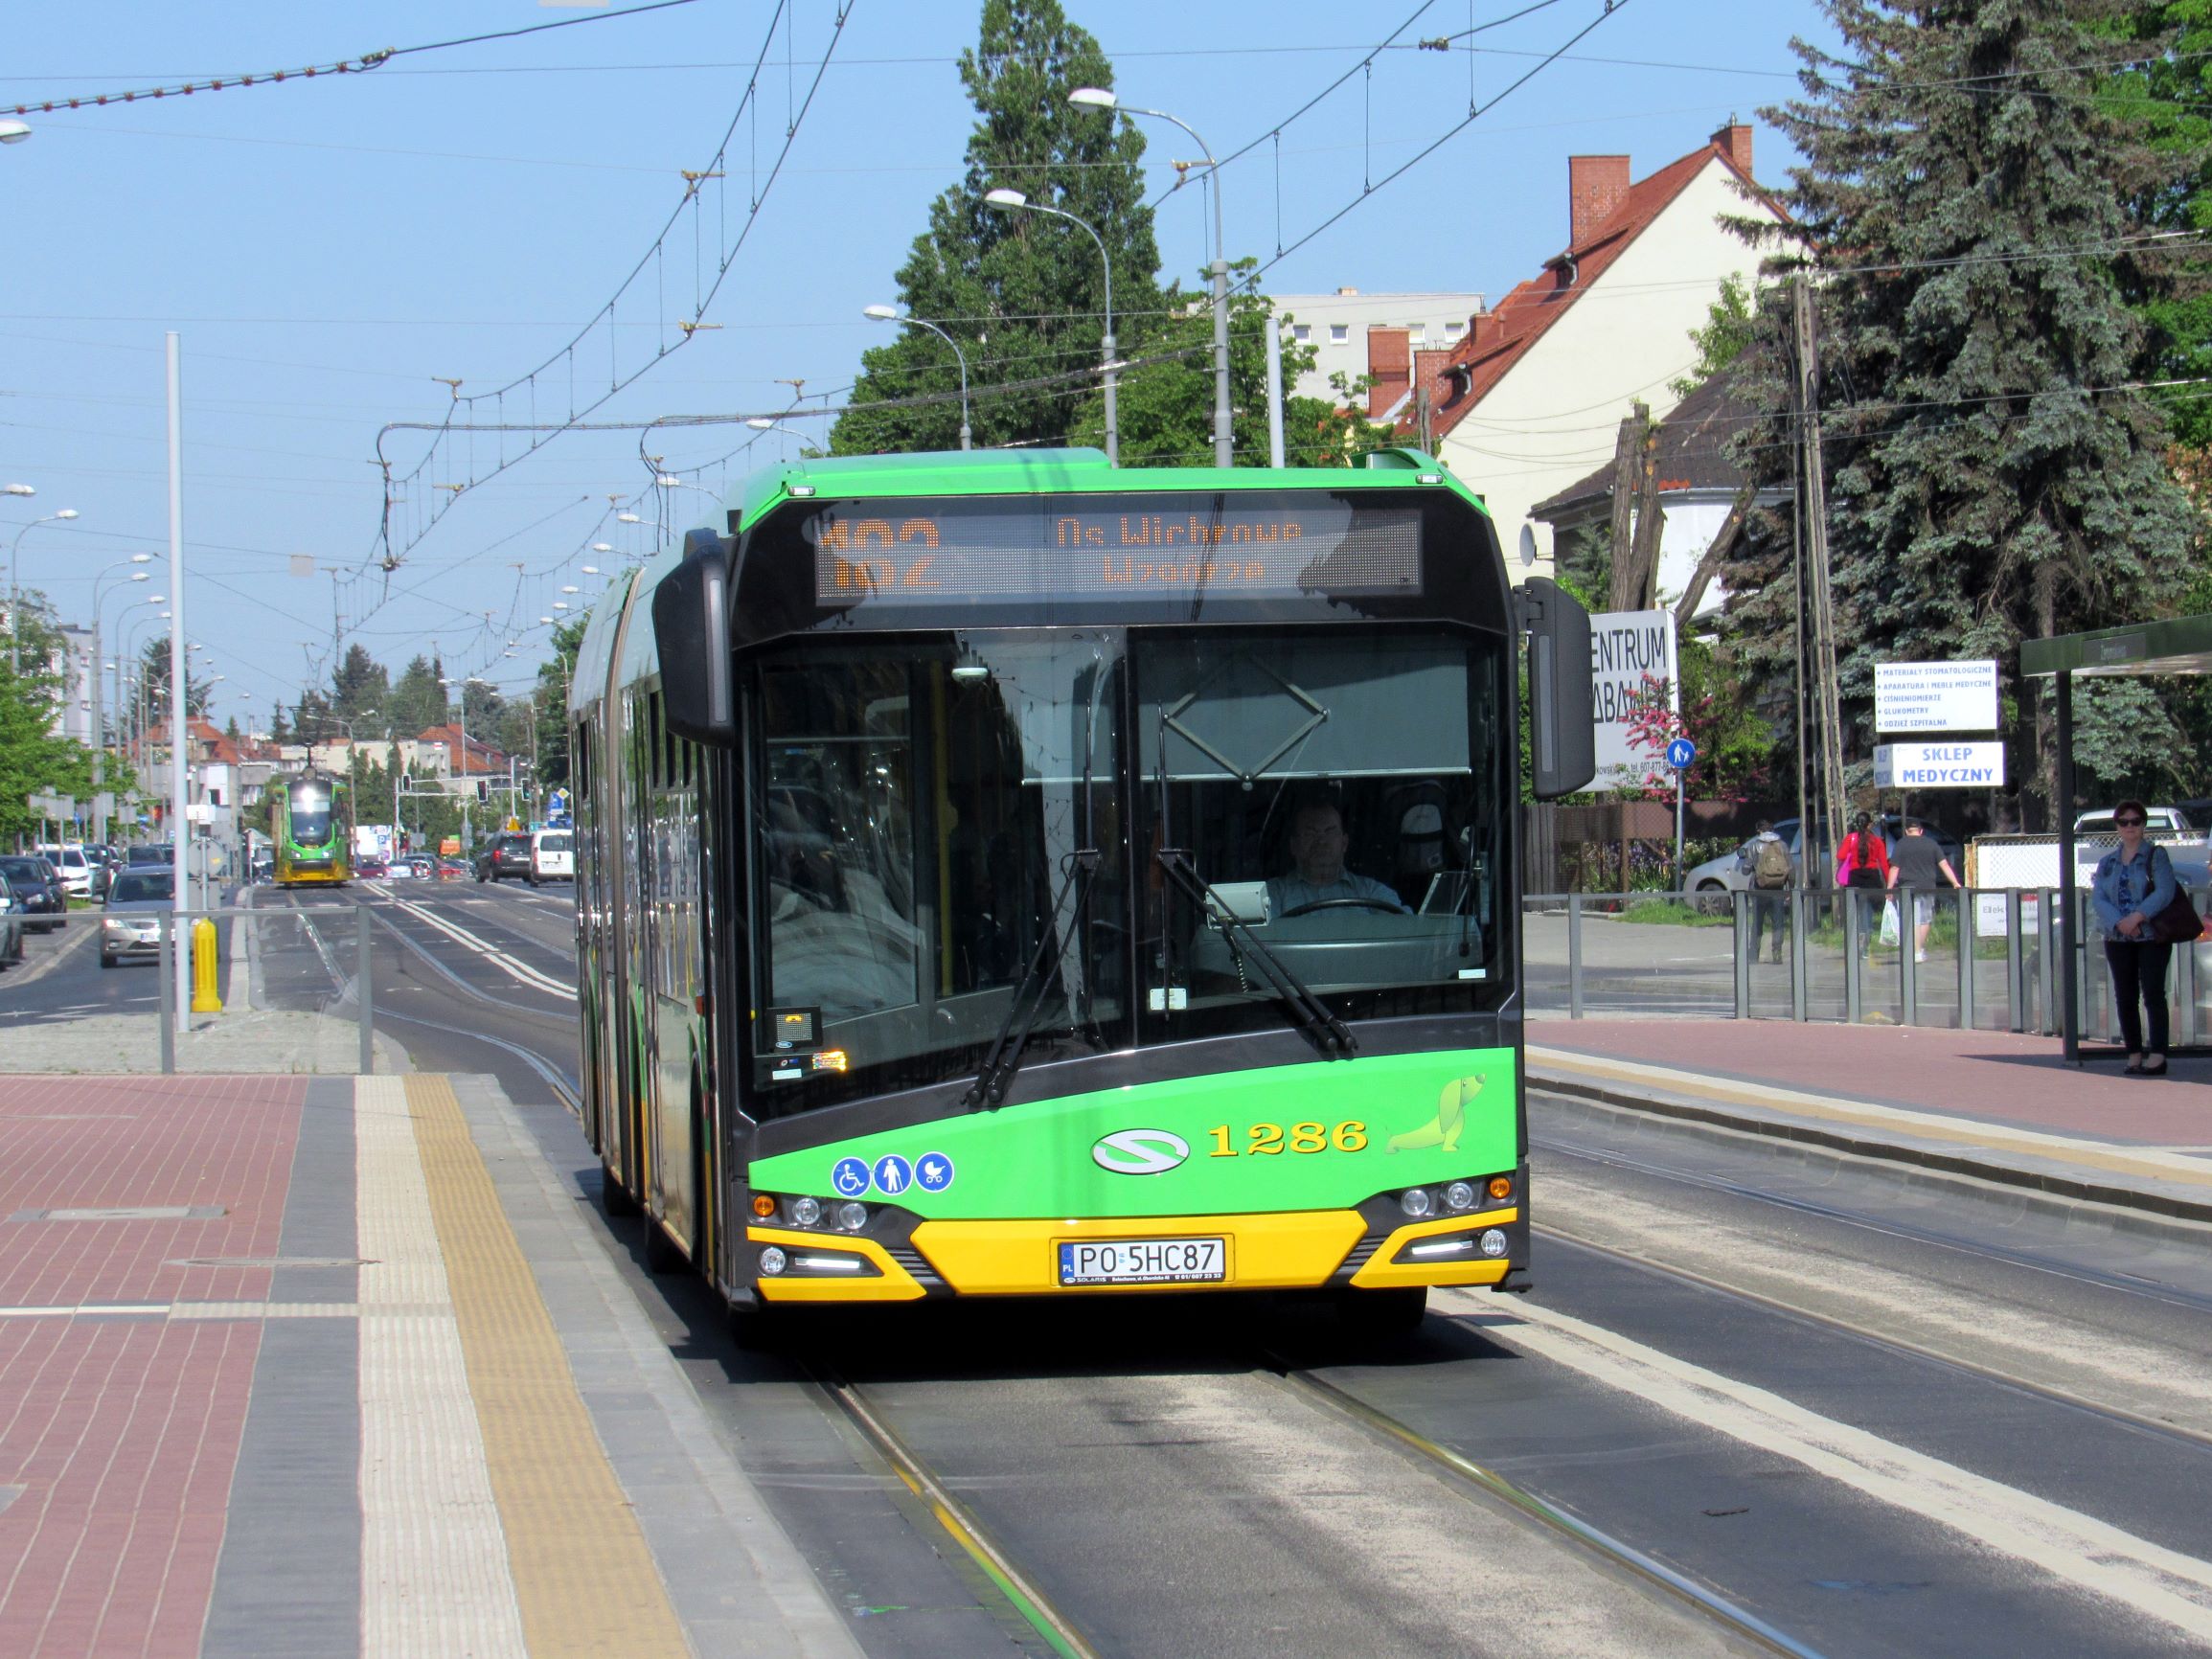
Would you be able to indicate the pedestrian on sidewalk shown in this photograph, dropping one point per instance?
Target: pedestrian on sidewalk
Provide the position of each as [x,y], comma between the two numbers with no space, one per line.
[1862,865]
[1765,860]
[2133,882]
[1916,866]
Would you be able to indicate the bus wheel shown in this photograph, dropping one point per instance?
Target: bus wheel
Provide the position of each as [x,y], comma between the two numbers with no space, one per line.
[1389,1312]
[661,1252]
[615,1198]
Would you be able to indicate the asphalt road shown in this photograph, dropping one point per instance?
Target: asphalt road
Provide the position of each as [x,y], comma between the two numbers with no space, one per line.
[1868,1414]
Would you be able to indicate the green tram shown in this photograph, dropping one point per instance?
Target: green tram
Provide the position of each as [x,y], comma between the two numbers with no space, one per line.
[311,828]
[1002,874]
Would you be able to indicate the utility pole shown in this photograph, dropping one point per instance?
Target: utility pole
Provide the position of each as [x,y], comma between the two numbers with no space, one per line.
[1817,597]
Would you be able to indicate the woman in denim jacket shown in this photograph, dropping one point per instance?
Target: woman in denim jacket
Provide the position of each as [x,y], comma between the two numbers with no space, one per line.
[2133,882]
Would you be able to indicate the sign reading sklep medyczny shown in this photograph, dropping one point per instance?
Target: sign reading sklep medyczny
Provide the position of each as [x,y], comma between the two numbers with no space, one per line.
[1629,649]
[1935,697]
[1939,765]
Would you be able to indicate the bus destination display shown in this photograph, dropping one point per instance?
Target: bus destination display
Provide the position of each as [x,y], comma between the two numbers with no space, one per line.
[955,552]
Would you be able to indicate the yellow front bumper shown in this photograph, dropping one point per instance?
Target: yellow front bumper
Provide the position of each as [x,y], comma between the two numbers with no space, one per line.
[1298,1250]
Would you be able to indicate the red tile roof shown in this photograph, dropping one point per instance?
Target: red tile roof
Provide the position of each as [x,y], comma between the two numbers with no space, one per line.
[1498,338]
[479,757]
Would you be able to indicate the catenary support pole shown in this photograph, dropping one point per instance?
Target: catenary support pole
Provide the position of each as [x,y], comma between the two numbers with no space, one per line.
[179,748]
[2068,918]
[1274,335]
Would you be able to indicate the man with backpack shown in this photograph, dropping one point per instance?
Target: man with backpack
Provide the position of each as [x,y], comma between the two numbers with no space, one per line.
[1765,860]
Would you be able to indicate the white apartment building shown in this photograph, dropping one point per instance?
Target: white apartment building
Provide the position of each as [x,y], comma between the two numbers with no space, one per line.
[1335,326]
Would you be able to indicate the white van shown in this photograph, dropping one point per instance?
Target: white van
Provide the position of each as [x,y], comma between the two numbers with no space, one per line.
[552,856]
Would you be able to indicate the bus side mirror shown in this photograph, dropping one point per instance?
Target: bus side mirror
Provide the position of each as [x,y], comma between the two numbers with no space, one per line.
[691,629]
[1561,721]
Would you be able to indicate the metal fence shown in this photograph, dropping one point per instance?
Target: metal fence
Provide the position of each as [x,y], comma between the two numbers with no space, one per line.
[1978,959]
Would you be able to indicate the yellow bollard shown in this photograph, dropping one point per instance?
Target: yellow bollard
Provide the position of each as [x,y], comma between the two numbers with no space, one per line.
[203,968]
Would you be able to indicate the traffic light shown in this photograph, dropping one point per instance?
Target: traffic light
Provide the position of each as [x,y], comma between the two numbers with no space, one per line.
[483,789]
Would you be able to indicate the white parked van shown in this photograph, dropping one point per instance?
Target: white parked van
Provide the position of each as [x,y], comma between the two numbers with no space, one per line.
[552,856]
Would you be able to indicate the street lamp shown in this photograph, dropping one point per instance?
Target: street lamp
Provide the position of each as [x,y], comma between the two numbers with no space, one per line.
[14,132]
[890,315]
[764,425]
[99,721]
[15,598]
[1013,200]
[1098,97]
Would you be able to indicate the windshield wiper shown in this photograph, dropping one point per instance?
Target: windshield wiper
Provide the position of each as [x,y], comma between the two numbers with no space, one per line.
[1003,1058]
[1329,1034]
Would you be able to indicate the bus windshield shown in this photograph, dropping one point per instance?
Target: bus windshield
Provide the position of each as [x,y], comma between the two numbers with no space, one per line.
[1337,793]
[924,802]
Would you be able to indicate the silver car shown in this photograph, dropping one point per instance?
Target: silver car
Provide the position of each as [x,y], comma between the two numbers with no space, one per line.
[11,925]
[130,920]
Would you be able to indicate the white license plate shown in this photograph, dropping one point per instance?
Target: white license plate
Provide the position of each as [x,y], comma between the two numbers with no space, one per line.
[1144,1261]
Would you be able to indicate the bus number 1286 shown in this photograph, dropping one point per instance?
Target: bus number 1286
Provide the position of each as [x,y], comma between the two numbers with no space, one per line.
[1266,1140]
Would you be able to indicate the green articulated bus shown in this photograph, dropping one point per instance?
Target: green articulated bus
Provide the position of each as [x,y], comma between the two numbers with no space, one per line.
[1002,874]
[311,828]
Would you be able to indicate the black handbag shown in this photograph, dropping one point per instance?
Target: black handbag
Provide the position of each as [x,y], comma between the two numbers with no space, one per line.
[2179,923]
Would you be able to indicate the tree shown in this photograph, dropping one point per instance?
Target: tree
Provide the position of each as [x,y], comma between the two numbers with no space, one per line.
[1964,205]
[1022,292]
[31,757]
[417,700]
[357,683]
[552,705]
[1727,330]
[2168,90]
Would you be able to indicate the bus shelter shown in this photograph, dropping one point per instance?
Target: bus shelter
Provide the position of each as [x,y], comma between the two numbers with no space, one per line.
[2177,645]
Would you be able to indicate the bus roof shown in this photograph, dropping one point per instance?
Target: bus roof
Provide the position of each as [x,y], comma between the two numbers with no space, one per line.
[1053,472]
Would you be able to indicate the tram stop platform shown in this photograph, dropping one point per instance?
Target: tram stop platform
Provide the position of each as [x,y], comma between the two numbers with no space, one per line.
[332,1366]
[1992,1106]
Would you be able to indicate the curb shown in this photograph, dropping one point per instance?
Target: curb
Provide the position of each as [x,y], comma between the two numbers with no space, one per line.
[2079,1188]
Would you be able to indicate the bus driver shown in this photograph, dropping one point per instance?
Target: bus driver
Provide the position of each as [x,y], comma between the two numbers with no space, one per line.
[1318,842]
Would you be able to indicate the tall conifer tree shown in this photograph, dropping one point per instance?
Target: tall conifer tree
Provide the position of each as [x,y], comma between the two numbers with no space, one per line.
[1022,292]
[1967,204]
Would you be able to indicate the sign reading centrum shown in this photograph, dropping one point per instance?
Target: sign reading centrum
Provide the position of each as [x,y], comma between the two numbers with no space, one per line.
[1935,697]
[954,553]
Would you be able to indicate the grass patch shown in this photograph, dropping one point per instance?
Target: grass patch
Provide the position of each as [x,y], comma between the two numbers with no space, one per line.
[1670,913]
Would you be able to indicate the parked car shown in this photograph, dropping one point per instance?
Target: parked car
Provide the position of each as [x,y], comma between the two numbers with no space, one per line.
[507,855]
[418,865]
[130,920]
[2158,821]
[371,868]
[38,891]
[146,853]
[11,925]
[552,855]
[73,867]
[106,862]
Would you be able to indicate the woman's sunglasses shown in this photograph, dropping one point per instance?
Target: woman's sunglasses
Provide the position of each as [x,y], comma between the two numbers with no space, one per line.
[2128,822]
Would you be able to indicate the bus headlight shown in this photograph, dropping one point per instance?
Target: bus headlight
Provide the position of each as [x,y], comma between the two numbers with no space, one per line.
[852,1217]
[1494,1244]
[1459,1196]
[1416,1202]
[807,1212]
[773,1262]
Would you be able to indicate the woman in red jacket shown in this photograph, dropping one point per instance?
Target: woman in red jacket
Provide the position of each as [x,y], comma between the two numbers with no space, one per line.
[1862,864]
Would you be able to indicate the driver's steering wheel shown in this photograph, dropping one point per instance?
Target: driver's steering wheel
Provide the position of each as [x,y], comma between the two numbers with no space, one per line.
[1388,906]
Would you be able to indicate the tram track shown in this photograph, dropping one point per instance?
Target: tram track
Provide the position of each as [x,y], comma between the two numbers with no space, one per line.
[1890,1343]
[1022,1592]
[1463,1473]
[2171,1296]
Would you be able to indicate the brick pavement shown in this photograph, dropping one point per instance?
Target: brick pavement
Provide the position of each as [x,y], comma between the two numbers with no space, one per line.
[123,1428]
[287,1368]
[1994,1077]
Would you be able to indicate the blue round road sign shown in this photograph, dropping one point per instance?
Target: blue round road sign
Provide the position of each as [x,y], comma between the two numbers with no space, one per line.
[849,1178]
[1680,751]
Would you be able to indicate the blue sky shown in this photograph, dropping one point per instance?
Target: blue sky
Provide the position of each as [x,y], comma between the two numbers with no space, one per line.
[329,249]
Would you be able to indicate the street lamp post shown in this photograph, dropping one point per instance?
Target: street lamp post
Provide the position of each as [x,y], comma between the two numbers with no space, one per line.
[1098,97]
[98,722]
[14,594]
[888,314]
[761,424]
[1016,200]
